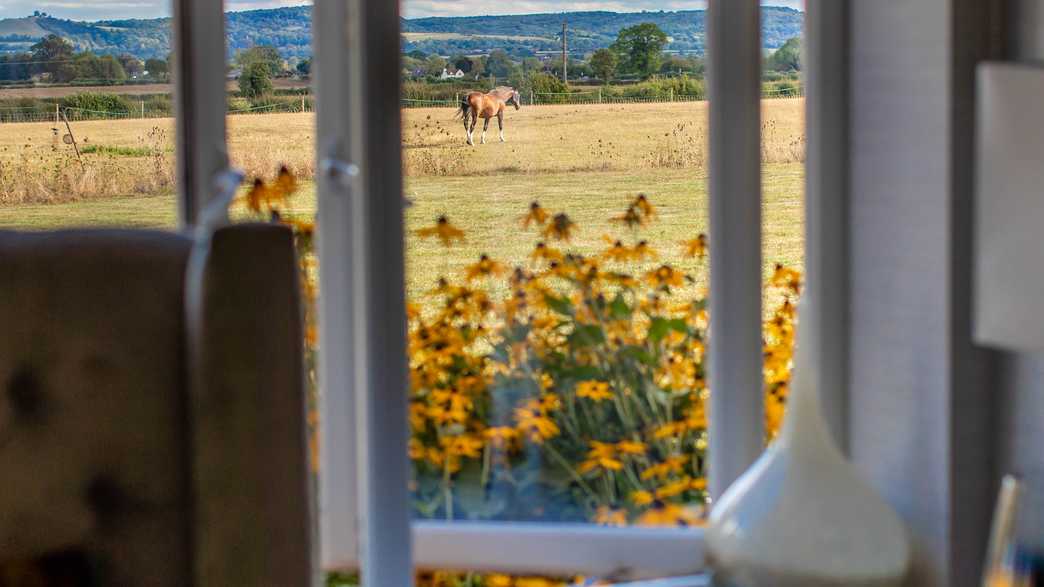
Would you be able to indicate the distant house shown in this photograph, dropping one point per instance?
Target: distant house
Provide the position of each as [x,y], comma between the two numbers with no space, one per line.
[458,74]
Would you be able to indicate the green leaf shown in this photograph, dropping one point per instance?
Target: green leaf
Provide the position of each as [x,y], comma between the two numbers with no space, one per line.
[561,305]
[619,309]
[587,335]
[639,354]
[660,327]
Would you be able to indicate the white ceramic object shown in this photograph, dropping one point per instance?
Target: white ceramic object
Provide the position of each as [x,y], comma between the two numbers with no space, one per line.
[802,516]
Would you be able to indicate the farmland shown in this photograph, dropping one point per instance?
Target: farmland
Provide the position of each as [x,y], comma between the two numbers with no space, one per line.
[586,160]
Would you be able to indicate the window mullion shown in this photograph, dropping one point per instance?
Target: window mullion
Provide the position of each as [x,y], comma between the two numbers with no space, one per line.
[734,60]
[382,376]
[362,253]
[826,211]
[338,190]
[200,103]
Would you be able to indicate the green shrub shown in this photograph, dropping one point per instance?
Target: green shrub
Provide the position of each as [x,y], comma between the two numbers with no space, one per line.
[98,102]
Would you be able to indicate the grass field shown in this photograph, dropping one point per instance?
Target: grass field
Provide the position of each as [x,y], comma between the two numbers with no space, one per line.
[586,160]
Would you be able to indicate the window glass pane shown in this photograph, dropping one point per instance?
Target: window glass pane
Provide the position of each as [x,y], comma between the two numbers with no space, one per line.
[86,134]
[558,280]
[783,229]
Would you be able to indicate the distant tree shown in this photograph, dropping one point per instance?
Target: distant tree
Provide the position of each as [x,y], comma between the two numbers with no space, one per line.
[604,63]
[545,83]
[434,65]
[89,66]
[786,58]
[110,69]
[478,64]
[131,65]
[640,48]
[462,63]
[531,65]
[16,67]
[264,54]
[256,80]
[305,67]
[417,54]
[499,64]
[54,56]
[157,68]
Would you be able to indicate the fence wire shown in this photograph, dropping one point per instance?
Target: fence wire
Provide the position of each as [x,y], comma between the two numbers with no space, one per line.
[39,114]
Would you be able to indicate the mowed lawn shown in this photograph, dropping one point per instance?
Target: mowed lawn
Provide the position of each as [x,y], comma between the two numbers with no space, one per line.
[587,161]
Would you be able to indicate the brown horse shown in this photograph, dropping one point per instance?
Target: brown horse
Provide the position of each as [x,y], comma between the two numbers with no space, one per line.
[478,105]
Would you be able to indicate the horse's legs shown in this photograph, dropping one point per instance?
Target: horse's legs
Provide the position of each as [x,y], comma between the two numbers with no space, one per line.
[471,131]
[500,120]
[485,127]
[467,121]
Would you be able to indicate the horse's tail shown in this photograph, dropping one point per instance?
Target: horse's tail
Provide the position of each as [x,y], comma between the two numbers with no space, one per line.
[465,107]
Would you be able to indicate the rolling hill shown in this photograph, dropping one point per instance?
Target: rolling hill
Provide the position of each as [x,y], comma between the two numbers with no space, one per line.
[289,29]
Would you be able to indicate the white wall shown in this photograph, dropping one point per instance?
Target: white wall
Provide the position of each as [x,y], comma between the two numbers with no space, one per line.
[918,409]
[1020,377]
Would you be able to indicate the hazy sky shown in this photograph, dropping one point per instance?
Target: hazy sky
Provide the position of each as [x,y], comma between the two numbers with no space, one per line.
[110,9]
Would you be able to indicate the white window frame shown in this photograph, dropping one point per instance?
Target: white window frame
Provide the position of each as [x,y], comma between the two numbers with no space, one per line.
[364,514]
[200,104]
[364,394]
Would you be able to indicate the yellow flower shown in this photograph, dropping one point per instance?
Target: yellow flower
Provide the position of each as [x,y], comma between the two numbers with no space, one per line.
[462,446]
[644,206]
[674,488]
[536,426]
[787,278]
[696,248]
[499,581]
[535,582]
[631,447]
[537,215]
[632,218]
[416,450]
[501,436]
[677,373]
[418,414]
[617,251]
[663,470]
[607,516]
[542,252]
[444,231]
[601,456]
[665,277]
[286,183]
[262,196]
[485,267]
[560,228]
[594,390]
[670,515]
[550,402]
[641,498]
[643,251]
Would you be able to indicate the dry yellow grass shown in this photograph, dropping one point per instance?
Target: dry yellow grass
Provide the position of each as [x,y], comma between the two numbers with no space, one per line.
[586,160]
[35,167]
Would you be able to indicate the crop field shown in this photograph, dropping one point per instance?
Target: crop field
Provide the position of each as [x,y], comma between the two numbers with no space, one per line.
[588,161]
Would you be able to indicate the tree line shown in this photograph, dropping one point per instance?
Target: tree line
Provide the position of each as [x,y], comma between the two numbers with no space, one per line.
[637,54]
[54,59]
